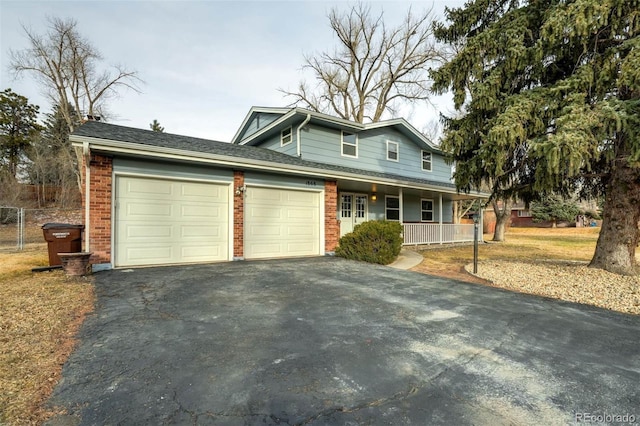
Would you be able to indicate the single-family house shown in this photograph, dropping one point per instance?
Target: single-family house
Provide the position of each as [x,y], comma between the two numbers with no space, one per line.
[290,183]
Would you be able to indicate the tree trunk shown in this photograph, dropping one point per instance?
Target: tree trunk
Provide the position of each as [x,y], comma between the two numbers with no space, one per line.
[619,235]
[502,218]
[456,208]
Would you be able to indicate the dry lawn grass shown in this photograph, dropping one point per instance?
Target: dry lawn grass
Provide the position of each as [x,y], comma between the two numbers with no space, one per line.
[522,244]
[39,316]
[546,262]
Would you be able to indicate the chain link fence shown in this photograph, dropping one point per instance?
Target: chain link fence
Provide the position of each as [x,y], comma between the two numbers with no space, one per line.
[21,227]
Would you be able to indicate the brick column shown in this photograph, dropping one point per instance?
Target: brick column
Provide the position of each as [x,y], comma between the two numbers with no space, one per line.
[331,225]
[100,189]
[238,215]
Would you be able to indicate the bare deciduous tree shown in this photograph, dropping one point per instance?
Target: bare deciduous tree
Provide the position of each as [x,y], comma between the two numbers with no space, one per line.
[374,69]
[67,67]
[461,208]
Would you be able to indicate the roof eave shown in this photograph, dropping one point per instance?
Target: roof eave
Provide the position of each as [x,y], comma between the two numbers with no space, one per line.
[255,110]
[136,149]
[401,122]
[316,116]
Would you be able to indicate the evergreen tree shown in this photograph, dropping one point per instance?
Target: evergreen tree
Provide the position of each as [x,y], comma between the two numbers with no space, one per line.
[156,127]
[553,208]
[18,126]
[551,91]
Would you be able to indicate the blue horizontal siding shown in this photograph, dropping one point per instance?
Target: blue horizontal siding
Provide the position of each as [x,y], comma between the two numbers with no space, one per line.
[260,121]
[411,206]
[171,170]
[273,143]
[324,145]
[271,179]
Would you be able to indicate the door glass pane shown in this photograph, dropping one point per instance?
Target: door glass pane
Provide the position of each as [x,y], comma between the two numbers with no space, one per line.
[361,202]
[345,206]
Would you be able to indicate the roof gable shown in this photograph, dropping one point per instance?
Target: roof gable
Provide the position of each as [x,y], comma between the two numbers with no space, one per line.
[251,116]
[297,115]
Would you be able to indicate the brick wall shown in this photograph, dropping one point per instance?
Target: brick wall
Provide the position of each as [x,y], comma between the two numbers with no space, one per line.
[238,215]
[331,225]
[100,189]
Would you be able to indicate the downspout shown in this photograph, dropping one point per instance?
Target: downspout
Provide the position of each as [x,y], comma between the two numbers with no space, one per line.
[86,153]
[304,123]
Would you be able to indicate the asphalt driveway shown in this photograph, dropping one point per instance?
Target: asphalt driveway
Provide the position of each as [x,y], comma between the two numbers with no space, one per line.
[327,341]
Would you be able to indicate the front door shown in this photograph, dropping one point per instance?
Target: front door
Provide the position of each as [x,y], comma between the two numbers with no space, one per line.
[353,210]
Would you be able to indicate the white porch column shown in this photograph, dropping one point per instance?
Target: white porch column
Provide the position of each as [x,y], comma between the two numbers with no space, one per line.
[481,223]
[440,215]
[401,208]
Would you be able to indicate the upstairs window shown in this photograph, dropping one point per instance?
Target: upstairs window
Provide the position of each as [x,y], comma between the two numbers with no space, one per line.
[349,144]
[392,208]
[426,161]
[285,136]
[426,210]
[392,151]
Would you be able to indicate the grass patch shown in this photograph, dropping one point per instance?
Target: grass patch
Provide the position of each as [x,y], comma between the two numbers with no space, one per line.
[522,244]
[39,317]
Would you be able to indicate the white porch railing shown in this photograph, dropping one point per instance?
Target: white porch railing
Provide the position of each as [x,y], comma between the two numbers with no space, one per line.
[434,233]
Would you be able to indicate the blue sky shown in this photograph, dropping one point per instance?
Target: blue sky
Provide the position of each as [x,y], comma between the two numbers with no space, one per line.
[204,63]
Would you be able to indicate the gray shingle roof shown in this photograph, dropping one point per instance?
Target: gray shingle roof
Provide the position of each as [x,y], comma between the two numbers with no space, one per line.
[101,130]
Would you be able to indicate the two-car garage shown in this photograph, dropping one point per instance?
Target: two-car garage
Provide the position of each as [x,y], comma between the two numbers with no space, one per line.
[171,221]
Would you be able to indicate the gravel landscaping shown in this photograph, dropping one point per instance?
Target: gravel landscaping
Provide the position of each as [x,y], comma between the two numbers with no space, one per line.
[566,280]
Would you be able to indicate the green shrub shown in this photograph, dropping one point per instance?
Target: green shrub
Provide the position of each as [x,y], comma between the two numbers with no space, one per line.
[592,214]
[374,242]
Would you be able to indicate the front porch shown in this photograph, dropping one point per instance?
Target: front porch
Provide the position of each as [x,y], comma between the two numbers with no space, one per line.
[425,214]
[437,233]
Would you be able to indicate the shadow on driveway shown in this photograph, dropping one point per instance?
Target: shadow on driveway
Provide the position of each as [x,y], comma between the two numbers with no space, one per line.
[329,341]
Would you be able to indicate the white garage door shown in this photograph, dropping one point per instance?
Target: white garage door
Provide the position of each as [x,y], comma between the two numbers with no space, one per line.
[281,223]
[162,221]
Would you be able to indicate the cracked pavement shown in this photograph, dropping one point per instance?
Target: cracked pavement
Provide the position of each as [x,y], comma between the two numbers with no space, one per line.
[324,341]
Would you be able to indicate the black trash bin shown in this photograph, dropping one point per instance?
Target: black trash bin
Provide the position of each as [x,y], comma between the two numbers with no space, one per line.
[62,238]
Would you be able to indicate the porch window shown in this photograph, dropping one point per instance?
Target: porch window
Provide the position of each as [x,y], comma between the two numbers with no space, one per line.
[392,207]
[426,207]
[524,213]
[426,161]
[285,137]
[349,144]
[392,151]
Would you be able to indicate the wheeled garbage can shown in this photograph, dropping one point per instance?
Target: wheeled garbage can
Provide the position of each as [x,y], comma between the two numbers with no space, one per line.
[62,238]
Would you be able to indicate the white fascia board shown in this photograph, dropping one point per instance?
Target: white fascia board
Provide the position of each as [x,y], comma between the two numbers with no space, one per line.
[331,119]
[404,123]
[119,147]
[303,113]
[250,114]
[266,129]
